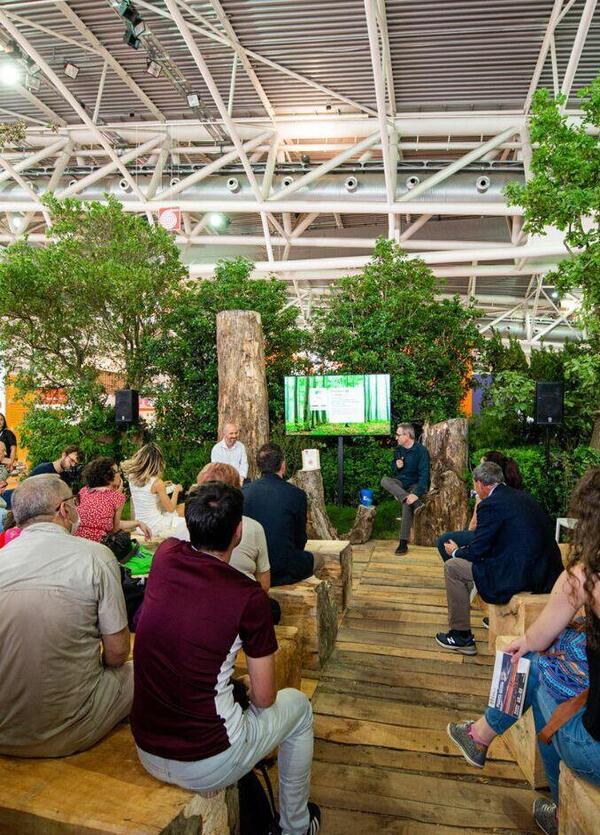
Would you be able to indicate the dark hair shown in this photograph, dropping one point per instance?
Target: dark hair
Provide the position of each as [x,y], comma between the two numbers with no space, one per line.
[510,468]
[269,458]
[73,449]
[99,472]
[120,544]
[4,426]
[585,538]
[9,521]
[212,513]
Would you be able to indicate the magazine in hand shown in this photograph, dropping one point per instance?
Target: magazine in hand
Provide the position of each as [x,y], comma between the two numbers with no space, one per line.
[509,683]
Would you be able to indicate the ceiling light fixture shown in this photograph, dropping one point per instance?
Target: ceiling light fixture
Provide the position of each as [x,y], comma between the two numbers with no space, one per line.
[10,73]
[130,39]
[71,70]
[133,18]
[218,222]
[153,68]
[193,100]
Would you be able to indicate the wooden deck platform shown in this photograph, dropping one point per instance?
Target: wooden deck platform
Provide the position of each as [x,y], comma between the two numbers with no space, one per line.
[383,762]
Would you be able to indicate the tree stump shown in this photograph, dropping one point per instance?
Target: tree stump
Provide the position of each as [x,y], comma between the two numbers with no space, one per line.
[445,507]
[310,605]
[363,525]
[243,398]
[318,525]
[337,567]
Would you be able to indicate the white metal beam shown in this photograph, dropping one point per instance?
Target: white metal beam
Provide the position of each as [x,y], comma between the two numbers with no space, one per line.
[541,59]
[83,30]
[40,105]
[33,159]
[370,12]
[580,38]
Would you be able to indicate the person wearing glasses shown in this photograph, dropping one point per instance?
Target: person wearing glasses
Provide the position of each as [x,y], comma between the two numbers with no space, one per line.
[69,459]
[65,681]
[409,479]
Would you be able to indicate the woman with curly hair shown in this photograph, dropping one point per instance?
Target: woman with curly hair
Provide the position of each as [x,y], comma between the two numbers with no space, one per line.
[563,689]
[101,502]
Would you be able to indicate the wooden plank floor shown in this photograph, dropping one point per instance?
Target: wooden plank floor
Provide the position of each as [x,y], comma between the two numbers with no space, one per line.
[383,762]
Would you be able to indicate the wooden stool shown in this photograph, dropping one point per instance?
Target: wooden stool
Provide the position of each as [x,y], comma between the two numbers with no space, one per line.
[310,605]
[105,791]
[579,804]
[521,739]
[288,659]
[516,616]
[337,567]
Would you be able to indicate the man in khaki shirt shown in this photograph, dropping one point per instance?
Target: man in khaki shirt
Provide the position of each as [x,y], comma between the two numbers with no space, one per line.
[64,643]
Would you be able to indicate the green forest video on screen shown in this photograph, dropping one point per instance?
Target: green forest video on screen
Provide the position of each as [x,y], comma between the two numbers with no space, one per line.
[346,404]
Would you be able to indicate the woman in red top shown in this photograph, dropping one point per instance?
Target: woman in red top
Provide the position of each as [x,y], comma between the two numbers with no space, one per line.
[101,502]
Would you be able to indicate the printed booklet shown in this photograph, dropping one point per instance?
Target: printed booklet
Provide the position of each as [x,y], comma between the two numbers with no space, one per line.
[509,683]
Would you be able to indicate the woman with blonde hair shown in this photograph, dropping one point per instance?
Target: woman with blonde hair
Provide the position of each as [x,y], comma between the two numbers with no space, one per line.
[251,556]
[563,688]
[154,500]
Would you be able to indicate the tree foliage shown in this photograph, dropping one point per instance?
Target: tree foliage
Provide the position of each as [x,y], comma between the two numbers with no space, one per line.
[185,352]
[93,294]
[387,320]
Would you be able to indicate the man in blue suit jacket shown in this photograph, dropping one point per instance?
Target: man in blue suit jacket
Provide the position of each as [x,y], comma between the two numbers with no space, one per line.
[513,550]
[281,509]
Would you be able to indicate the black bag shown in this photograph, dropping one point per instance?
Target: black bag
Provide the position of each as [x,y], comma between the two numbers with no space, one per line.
[258,814]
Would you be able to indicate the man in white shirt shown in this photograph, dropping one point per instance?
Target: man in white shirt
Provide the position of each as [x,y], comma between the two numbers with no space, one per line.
[230,450]
[65,681]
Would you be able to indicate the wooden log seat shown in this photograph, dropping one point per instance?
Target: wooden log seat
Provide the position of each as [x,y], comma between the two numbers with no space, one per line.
[288,659]
[105,791]
[362,529]
[516,616]
[579,812]
[311,606]
[337,567]
[521,739]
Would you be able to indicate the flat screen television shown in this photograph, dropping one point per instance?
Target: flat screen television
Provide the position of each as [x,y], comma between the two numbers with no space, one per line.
[345,404]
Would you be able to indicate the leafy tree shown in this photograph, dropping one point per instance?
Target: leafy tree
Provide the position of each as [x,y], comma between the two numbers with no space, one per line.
[387,320]
[495,356]
[185,352]
[564,192]
[93,294]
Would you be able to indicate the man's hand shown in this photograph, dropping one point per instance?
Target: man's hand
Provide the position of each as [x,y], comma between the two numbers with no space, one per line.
[450,547]
[399,463]
[411,498]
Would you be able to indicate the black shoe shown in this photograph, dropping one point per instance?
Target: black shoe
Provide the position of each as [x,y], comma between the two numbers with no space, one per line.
[315,819]
[402,548]
[544,814]
[450,640]
[486,623]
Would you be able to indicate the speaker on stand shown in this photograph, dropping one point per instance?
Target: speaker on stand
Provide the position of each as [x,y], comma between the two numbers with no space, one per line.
[549,408]
[127,407]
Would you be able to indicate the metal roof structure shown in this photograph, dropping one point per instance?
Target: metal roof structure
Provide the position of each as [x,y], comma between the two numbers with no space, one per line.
[313,128]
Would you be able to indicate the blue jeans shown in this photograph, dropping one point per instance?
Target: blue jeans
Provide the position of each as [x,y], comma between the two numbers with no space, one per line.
[460,537]
[572,743]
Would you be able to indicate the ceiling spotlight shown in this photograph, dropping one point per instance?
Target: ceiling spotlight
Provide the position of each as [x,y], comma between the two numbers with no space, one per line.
[193,100]
[9,73]
[153,68]
[130,39]
[71,70]
[134,19]
[33,83]
[218,222]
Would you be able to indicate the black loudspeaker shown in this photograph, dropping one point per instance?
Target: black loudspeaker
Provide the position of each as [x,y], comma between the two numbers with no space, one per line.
[127,406]
[549,403]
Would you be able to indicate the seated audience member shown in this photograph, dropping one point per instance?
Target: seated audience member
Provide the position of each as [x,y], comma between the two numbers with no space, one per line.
[10,530]
[513,550]
[4,467]
[154,500]
[409,480]
[251,554]
[121,545]
[560,676]
[65,466]
[101,501]
[512,478]
[230,450]
[281,509]
[9,440]
[198,613]
[60,603]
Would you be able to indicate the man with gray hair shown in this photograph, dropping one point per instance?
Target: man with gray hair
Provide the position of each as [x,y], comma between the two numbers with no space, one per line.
[61,602]
[513,550]
[409,479]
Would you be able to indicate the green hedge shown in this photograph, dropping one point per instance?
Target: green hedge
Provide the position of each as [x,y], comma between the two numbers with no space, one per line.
[550,485]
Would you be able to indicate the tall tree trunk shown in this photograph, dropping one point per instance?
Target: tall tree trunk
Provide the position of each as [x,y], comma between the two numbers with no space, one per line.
[243,396]
[595,439]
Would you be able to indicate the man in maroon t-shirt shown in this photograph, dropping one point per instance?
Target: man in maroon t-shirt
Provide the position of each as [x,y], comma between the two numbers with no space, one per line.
[198,612]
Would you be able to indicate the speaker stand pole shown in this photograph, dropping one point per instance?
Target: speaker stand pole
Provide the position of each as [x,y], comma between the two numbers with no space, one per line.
[340,478]
[547,443]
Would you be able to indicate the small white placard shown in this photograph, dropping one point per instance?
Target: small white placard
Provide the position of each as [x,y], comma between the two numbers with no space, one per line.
[311,459]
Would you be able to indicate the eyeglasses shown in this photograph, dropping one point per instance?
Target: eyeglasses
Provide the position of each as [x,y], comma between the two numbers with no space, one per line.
[74,463]
[75,499]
